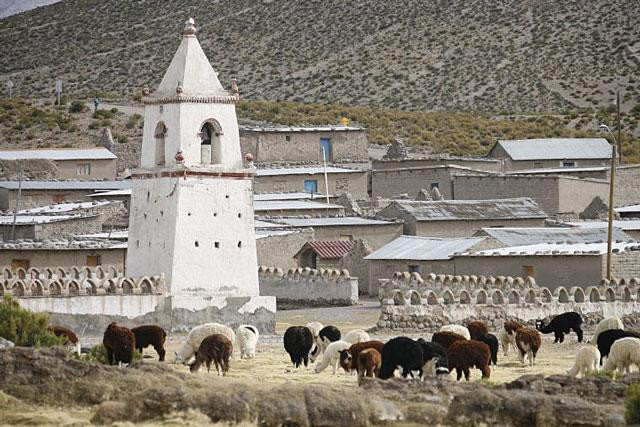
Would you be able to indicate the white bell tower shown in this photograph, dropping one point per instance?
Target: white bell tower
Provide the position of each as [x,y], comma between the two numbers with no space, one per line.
[191,207]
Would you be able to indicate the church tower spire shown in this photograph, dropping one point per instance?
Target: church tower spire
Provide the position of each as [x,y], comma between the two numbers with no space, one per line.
[191,207]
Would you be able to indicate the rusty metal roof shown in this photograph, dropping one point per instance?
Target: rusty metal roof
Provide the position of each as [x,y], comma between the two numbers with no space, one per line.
[328,249]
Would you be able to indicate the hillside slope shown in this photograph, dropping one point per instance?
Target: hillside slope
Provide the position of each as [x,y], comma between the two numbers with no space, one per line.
[483,55]
[13,7]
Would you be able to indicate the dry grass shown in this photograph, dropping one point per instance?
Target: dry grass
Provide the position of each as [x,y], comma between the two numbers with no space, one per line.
[412,55]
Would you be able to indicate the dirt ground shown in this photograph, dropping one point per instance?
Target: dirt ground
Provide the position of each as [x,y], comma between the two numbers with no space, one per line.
[272,363]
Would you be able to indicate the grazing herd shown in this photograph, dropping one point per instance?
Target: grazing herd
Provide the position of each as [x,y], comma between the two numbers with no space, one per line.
[453,347]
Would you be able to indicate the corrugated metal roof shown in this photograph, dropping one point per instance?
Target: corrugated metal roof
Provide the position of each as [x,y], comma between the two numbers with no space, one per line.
[63,207]
[327,128]
[566,170]
[554,249]
[415,248]
[61,245]
[36,219]
[557,148]
[261,234]
[626,209]
[330,222]
[67,185]
[283,205]
[532,236]
[126,192]
[625,225]
[303,171]
[299,195]
[99,153]
[450,210]
[329,249]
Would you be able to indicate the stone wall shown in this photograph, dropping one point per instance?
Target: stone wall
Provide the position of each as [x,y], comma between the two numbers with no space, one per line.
[88,299]
[308,287]
[279,249]
[627,185]
[61,282]
[391,183]
[129,154]
[410,302]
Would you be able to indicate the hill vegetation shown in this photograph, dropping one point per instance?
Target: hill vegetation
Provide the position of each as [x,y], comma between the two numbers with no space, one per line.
[36,123]
[499,56]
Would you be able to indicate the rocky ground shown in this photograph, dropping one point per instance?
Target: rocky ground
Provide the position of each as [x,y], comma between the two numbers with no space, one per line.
[46,387]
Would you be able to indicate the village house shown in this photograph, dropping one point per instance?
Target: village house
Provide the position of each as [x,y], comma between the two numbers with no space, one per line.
[323,253]
[422,255]
[553,193]
[312,180]
[551,153]
[71,163]
[280,144]
[553,264]
[627,180]
[42,193]
[63,253]
[375,231]
[462,218]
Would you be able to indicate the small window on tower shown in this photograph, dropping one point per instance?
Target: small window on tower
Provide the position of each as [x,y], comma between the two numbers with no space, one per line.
[216,245]
[239,244]
[287,138]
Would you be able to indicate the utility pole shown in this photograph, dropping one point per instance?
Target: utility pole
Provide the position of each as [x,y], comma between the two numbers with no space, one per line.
[619,127]
[326,179]
[15,211]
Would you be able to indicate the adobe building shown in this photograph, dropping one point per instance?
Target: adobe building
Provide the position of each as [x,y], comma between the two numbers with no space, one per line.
[323,253]
[311,179]
[281,144]
[553,193]
[65,253]
[553,264]
[422,255]
[627,179]
[278,245]
[410,180]
[42,193]
[71,163]
[551,153]
[462,218]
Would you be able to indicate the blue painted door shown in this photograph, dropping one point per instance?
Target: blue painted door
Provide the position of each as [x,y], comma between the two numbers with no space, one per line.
[325,147]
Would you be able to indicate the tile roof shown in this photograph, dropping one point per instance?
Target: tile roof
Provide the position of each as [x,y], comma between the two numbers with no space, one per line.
[536,235]
[98,153]
[450,210]
[415,248]
[329,249]
[557,148]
